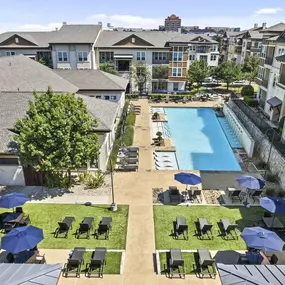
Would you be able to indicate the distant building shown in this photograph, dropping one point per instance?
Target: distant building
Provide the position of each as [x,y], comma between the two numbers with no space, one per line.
[161,28]
[190,28]
[172,23]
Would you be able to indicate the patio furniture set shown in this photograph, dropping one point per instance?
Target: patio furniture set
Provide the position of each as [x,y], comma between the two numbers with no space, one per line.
[85,227]
[194,194]
[240,195]
[128,159]
[76,260]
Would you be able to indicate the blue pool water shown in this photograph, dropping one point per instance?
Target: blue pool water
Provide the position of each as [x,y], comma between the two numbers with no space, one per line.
[200,141]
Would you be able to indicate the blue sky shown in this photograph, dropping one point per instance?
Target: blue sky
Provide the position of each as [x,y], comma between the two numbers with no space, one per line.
[46,15]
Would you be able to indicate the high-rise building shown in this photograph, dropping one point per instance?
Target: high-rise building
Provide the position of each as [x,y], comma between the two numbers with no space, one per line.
[172,23]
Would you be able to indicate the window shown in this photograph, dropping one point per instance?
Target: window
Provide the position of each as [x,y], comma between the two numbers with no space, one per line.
[258,54]
[259,45]
[204,57]
[141,55]
[114,98]
[177,56]
[176,71]
[160,56]
[213,57]
[260,73]
[98,97]
[192,57]
[281,51]
[175,86]
[9,161]
[107,97]
[82,56]
[192,48]
[62,56]
[213,48]
[106,56]
[10,53]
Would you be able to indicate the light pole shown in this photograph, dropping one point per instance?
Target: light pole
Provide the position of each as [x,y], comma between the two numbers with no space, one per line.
[270,149]
[113,205]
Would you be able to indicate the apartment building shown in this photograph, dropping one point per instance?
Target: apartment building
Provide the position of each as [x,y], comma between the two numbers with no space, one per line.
[172,23]
[231,46]
[271,76]
[175,51]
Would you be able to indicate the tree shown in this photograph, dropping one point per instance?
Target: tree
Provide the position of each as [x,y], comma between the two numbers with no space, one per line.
[230,71]
[250,68]
[216,73]
[57,134]
[140,75]
[160,72]
[109,68]
[197,72]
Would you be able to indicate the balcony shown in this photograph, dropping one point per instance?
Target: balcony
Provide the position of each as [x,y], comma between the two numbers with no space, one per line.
[258,81]
[160,61]
[269,60]
[264,83]
[248,46]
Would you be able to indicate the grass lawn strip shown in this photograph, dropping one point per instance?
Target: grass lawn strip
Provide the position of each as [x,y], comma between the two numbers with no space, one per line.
[46,217]
[164,216]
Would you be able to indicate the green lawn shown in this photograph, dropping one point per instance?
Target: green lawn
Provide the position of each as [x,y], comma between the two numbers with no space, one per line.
[113,263]
[164,216]
[46,216]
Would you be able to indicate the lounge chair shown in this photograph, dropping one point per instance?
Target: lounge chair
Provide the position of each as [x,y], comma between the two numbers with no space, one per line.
[236,195]
[25,221]
[195,193]
[181,228]
[64,226]
[204,228]
[85,227]
[159,154]
[75,261]
[97,262]
[174,195]
[130,167]
[133,149]
[206,262]
[164,168]
[228,229]
[104,228]
[256,195]
[163,164]
[176,262]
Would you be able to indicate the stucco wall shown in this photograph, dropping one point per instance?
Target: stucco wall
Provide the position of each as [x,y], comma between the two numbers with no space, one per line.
[11,175]
[262,145]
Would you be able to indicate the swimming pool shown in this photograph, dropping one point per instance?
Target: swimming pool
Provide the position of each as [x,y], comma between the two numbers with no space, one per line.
[200,141]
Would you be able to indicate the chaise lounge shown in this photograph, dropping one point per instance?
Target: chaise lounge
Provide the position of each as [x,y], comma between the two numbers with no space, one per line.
[104,228]
[74,262]
[176,263]
[97,262]
[207,263]
[64,226]
[85,227]
[228,229]
[204,228]
[181,228]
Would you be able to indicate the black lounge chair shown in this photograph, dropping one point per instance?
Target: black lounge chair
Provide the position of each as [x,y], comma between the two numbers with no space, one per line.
[256,195]
[25,221]
[204,228]
[206,262]
[236,195]
[228,229]
[133,148]
[174,195]
[64,226]
[181,228]
[176,263]
[75,261]
[195,194]
[128,167]
[104,228]
[85,227]
[97,262]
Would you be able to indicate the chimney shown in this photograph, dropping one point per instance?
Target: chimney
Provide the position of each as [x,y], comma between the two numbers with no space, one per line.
[263,25]
[64,23]
[255,25]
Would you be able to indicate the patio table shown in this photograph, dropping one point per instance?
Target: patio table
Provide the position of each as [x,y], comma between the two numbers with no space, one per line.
[272,223]
[13,218]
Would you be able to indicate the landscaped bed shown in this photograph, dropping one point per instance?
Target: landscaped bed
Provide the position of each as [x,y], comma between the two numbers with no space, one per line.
[46,217]
[164,216]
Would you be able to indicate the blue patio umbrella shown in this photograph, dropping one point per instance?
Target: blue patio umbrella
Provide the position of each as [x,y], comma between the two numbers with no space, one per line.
[274,205]
[22,238]
[187,178]
[13,200]
[262,239]
[251,182]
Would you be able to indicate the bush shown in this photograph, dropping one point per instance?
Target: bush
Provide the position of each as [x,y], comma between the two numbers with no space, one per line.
[131,118]
[251,102]
[247,90]
[92,180]
[270,191]
[57,180]
[271,177]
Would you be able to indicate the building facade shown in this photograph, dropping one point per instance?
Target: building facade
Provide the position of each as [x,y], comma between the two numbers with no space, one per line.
[172,23]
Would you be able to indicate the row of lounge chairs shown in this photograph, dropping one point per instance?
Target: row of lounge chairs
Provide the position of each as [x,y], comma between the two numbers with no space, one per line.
[76,260]
[85,227]
[135,108]
[128,159]
[204,228]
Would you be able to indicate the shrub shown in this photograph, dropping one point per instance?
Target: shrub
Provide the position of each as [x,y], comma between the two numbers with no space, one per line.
[271,177]
[57,180]
[155,116]
[270,191]
[131,118]
[247,90]
[252,102]
[92,180]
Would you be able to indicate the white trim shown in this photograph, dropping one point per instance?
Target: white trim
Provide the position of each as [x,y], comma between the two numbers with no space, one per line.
[62,52]
[82,52]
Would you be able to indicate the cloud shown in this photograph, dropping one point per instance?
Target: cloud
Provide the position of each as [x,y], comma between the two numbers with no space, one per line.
[268,11]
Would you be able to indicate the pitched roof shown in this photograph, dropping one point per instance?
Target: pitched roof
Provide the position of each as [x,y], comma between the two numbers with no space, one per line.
[26,274]
[15,105]
[280,27]
[22,74]
[40,39]
[255,34]
[157,39]
[94,79]
[77,34]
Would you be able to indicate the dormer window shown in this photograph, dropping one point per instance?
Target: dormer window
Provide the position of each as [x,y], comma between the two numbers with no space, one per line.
[16,40]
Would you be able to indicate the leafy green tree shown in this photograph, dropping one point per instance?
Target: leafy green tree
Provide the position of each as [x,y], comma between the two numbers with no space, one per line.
[197,72]
[250,68]
[160,72]
[57,134]
[216,73]
[230,71]
[140,75]
[109,68]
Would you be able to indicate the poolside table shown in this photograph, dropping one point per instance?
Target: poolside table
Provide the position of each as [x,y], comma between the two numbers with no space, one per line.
[272,223]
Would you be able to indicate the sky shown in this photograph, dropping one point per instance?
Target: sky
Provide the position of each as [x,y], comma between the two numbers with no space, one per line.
[37,15]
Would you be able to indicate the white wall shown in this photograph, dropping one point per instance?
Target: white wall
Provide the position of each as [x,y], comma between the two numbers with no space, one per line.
[242,134]
[11,175]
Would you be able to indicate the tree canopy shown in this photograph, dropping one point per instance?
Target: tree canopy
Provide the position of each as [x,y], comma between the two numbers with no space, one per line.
[57,133]
[229,72]
[160,72]
[108,67]
[250,68]
[197,72]
[140,75]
